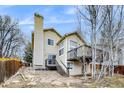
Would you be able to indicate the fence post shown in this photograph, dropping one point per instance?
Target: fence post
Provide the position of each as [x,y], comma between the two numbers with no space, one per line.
[2,71]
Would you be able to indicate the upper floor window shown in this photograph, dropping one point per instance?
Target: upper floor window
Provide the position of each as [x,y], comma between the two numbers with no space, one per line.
[61,45]
[50,42]
[73,44]
[61,48]
[61,51]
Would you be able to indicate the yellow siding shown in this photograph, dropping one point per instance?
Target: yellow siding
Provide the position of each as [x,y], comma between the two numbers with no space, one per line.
[48,48]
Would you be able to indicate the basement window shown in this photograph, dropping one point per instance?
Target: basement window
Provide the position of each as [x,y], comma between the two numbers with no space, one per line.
[50,42]
[70,65]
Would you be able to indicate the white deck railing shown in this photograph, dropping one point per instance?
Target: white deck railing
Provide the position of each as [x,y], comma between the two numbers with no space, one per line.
[80,51]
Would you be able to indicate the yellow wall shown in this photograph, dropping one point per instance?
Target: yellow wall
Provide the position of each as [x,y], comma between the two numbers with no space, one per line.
[62,58]
[76,68]
[48,48]
[76,65]
[41,49]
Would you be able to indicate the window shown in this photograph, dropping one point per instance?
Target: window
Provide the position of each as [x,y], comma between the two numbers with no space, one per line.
[70,65]
[50,42]
[51,59]
[61,48]
[61,51]
[73,44]
[61,45]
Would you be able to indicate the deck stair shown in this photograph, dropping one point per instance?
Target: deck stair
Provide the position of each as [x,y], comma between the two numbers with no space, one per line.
[61,70]
[53,64]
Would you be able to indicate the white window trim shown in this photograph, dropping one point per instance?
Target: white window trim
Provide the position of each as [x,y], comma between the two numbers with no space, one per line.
[48,55]
[53,42]
[70,43]
[63,51]
[71,64]
[60,44]
[51,54]
[61,48]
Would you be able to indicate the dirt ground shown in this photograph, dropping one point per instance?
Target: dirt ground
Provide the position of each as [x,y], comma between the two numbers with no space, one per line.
[31,78]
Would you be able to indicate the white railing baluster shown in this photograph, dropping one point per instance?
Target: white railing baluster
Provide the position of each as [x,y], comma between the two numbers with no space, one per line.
[80,51]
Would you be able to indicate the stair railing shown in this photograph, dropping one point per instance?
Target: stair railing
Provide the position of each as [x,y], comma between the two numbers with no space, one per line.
[67,69]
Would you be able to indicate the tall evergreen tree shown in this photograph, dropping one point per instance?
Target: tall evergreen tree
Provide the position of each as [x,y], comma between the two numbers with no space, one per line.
[28,54]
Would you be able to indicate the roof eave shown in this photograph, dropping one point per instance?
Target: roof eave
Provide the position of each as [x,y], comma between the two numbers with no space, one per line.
[66,35]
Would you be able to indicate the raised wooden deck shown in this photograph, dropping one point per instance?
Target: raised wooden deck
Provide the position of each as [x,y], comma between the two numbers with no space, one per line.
[81,51]
[85,51]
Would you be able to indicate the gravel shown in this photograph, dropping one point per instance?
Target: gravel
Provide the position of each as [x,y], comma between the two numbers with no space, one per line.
[27,77]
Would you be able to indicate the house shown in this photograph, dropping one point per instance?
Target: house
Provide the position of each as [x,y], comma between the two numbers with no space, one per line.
[49,48]
[70,53]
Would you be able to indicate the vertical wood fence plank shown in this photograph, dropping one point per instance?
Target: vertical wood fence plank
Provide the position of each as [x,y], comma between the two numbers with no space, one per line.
[8,68]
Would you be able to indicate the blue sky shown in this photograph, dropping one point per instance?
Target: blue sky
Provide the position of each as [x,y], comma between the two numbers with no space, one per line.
[62,18]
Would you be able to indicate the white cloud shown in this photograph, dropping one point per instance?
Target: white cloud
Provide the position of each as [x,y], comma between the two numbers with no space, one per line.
[27,21]
[50,18]
[70,11]
[3,7]
[30,20]
[56,20]
[27,26]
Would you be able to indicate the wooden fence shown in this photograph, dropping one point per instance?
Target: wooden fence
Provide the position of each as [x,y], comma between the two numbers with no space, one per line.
[8,67]
[119,69]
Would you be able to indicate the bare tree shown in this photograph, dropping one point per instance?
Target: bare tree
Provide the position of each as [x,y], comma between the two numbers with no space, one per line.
[105,23]
[112,32]
[94,18]
[10,37]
